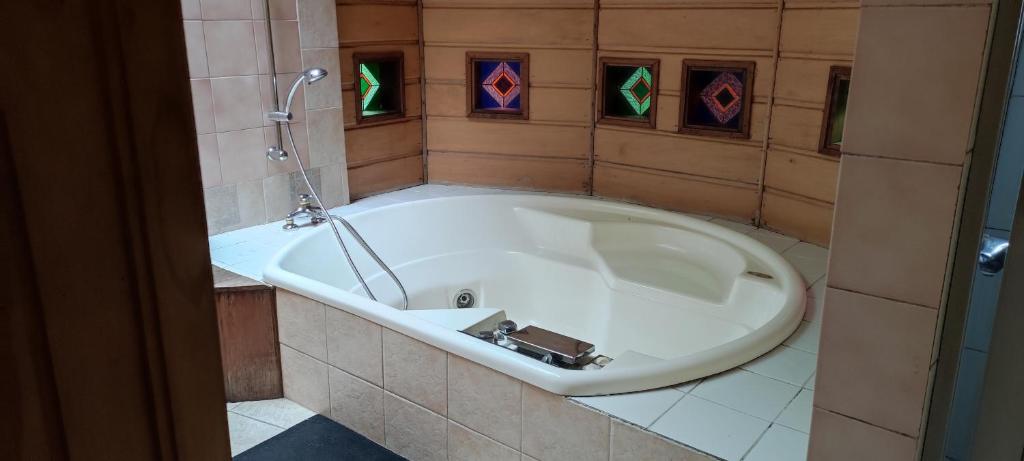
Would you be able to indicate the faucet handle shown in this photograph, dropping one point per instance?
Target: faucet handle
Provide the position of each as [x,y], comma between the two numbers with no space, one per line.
[304,200]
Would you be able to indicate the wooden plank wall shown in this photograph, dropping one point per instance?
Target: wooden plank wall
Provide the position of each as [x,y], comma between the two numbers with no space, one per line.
[709,175]
[550,151]
[388,155]
[800,183]
[559,148]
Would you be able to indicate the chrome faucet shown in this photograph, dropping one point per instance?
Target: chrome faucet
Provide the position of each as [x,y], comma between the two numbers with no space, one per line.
[306,209]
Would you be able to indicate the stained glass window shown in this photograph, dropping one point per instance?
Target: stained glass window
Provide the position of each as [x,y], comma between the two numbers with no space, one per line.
[379,86]
[716,98]
[628,91]
[835,111]
[497,85]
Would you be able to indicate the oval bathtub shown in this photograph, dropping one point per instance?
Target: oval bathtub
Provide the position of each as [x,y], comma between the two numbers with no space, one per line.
[668,297]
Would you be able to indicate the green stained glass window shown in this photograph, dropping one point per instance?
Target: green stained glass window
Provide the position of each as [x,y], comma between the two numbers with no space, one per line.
[628,91]
[379,86]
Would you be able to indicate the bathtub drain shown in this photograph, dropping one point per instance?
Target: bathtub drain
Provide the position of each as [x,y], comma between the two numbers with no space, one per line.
[465,298]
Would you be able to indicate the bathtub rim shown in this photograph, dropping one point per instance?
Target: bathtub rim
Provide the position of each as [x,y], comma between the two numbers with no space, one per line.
[665,373]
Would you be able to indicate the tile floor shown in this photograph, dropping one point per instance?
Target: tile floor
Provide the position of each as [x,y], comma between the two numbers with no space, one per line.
[760,411]
[251,423]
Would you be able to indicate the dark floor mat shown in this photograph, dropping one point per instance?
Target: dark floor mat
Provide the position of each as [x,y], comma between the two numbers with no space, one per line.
[318,439]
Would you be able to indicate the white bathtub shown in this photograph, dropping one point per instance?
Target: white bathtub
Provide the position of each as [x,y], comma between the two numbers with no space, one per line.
[670,298]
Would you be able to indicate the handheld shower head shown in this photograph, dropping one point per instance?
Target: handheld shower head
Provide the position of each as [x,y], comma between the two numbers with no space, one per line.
[311,75]
[314,74]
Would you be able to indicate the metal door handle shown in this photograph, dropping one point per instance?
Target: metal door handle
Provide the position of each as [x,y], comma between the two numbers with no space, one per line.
[992,255]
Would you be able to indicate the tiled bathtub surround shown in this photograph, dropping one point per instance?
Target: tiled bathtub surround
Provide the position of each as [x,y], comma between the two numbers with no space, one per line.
[894,224]
[228,57]
[426,404]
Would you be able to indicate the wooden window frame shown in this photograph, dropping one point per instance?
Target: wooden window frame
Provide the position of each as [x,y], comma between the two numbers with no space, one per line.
[747,67]
[603,64]
[835,73]
[361,57]
[524,82]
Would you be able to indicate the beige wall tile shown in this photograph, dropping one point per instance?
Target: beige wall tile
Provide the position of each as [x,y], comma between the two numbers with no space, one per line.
[416,371]
[221,208]
[354,345]
[555,429]
[629,443]
[318,26]
[282,192]
[279,9]
[914,85]
[357,404]
[305,380]
[286,47]
[195,48]
[209,160]
[326,137]
[202,106]
[267,98]
[327,92]
[466,445]
[242,157]
[300,322]
[251,209]
[190,9]
[226,9]
[838,438]
[413,431]
[236,103]
[334,179]
[230,48]
[873,360]
[892,226]
[476,394]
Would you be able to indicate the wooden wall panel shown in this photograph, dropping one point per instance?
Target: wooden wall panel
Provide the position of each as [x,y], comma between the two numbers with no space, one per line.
[385,176]
[800,182]
[518,172]
[797,216]
[369,22]
[492,25]
[383,142]
[550,150]
[734,161]
[675,191]
[809,176]
[381,156]
[508,138]
[688,26]
[727,170]
[771,177]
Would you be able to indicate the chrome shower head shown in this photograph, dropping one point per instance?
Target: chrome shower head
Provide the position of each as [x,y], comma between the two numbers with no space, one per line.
[314,74]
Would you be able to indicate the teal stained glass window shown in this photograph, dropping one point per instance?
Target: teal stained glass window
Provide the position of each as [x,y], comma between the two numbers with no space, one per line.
[379,87]
[629,89]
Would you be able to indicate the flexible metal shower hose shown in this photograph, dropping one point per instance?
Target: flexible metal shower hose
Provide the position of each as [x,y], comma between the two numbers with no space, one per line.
[351,230]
